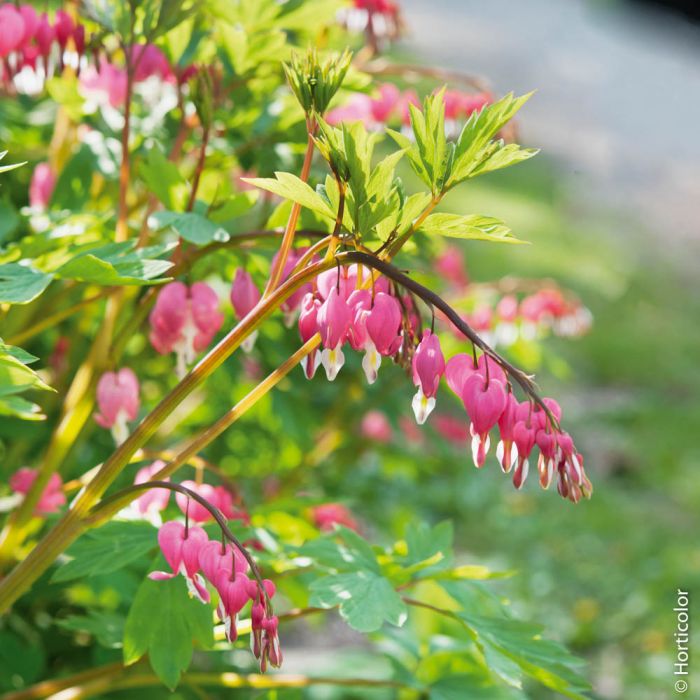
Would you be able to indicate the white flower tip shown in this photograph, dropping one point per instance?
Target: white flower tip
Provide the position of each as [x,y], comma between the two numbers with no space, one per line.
[332,361]
[422,406]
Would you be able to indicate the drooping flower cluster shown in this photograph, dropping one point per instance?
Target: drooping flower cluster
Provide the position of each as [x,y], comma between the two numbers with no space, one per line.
[506,319]
[485,392]
[52,497]
[502,317]
[189,552]
[33,47]
[391,106]
[348,306]
[118,402]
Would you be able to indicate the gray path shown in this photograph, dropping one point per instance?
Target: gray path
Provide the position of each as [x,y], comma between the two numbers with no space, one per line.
[618,93]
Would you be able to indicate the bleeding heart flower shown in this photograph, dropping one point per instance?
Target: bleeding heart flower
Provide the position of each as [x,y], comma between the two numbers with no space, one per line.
[52,497]
[218,496]
[244,298]
[118,402]
[308,327]
[524,441]
[506,451]
[334,317]
[382,322]
[155,500]
[484,400]
[185,321]
[428,368]
[181,546]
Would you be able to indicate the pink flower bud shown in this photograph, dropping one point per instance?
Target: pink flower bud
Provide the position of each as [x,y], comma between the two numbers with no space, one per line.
[217,496]
[384,105]
[334,317]
[118,402]
[154,500]
[41,186]
[428,368]
[64,27]
[51,499]
[506,452]
[375,426]
[106,86]
[244,297]
[327,515]
[383,324]
[181,547]
[233,596]
[524,441]
[450,266]
[484,401]
[215,557]
[185,321]
[31,22]
[44,35]
[149,61]
[451,428]
[12,28]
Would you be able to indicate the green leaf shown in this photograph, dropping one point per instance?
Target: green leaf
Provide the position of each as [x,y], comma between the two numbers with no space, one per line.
[64,91]
[473,149]
[291,187]
[165,623]
[116,264]
[164,179]
[546,661]
[342,550]
[107,549]
[72,189]
[106,627]
[468,226]
[15,378]
[7,168]
[20,284]
[424,541]
[190,226]
[366,599]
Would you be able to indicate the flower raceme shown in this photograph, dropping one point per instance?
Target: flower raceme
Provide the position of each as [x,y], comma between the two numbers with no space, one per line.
[185,320]
[34,44]
[189,552]
[488,401]
[118,402]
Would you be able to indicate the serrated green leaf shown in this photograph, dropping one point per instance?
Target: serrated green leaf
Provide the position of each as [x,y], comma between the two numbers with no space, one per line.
[473,149]
[107,549]
[20,284]
[291,187]
[366,599]
[165,622]
[468,226]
